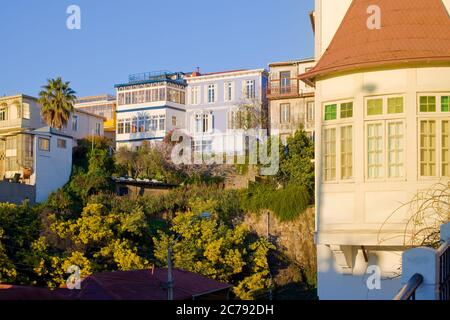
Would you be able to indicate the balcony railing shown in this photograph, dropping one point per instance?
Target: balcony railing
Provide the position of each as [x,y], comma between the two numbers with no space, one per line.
[275,90]
[14,123]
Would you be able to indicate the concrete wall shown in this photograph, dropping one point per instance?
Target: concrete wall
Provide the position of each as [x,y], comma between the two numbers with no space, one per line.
[16,193]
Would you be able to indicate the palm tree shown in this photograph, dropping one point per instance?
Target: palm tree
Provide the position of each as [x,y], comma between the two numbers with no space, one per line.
[57,99]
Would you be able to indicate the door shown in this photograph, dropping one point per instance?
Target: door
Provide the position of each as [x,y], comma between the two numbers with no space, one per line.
[285,82]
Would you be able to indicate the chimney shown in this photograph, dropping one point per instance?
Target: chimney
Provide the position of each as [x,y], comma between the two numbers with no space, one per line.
[196,73]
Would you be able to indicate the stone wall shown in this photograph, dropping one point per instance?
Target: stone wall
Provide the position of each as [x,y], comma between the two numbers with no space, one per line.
[294,239]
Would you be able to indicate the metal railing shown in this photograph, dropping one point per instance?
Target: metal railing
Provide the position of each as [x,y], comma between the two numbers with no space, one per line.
[283,90]
[444,271]
[408,292]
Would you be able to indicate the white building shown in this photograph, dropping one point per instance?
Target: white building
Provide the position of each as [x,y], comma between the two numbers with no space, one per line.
[215,104]
[52,161]
[148,107]
[36,158]
[382,132]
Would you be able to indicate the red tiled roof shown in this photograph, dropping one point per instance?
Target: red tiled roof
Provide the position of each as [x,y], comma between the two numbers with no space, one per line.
[123,285]
[411,31]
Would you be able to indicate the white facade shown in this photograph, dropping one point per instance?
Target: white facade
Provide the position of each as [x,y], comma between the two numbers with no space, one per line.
[382,135]
[149,108]
[20,155]
[213,108]
[83,124]
[52,161]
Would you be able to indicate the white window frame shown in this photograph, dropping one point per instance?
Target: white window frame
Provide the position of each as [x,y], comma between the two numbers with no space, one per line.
[385,152]
[74,123]
[384,115]
[250,89]
[228,91]
[211,93]
[285,113]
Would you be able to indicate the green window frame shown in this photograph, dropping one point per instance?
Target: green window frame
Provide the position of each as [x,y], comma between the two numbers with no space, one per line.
[428,104]
[346,110]
[330,112]
[445,103]
[395,105]
[374,107]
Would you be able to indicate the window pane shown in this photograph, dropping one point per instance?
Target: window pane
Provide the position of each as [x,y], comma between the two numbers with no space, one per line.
[395,105]
[346,152]
[374,107]
[329,154]
[445,149]
[331,112]
[428,104]
[347,110]
[428,148]
[395,150]
[375,151]
[44,144]
[445,104]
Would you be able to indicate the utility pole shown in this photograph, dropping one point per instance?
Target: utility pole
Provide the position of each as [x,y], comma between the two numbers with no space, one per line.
[169,273]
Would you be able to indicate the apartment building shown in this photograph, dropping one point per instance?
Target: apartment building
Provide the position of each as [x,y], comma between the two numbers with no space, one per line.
[219,104]
[34,155]
[382,134]
[103,106]
[291,101]
[149,106]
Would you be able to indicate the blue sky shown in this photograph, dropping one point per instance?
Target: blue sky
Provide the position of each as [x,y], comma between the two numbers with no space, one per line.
[121,37]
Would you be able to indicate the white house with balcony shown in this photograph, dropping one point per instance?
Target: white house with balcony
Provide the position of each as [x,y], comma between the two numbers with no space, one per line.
[382,134]
[216,108]
[149,106]
[36,160]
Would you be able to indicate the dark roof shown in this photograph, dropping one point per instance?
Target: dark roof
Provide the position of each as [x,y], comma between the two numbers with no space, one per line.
[12,292]
[123,285]
[412,31]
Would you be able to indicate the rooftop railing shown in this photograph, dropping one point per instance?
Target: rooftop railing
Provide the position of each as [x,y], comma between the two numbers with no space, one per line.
[154,75]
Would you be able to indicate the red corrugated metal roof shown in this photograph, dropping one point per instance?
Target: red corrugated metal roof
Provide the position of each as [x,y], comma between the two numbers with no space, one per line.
[123,285]
[412,31]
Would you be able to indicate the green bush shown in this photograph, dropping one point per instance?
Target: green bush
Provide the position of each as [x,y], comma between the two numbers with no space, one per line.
[286,203]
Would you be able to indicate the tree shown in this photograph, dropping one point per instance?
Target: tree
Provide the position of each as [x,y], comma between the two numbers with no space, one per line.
[215,250]
[57,99]
[296,161]
[427,211]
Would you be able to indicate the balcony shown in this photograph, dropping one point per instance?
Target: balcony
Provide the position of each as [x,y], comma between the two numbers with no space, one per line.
[14,124]
[287,88]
